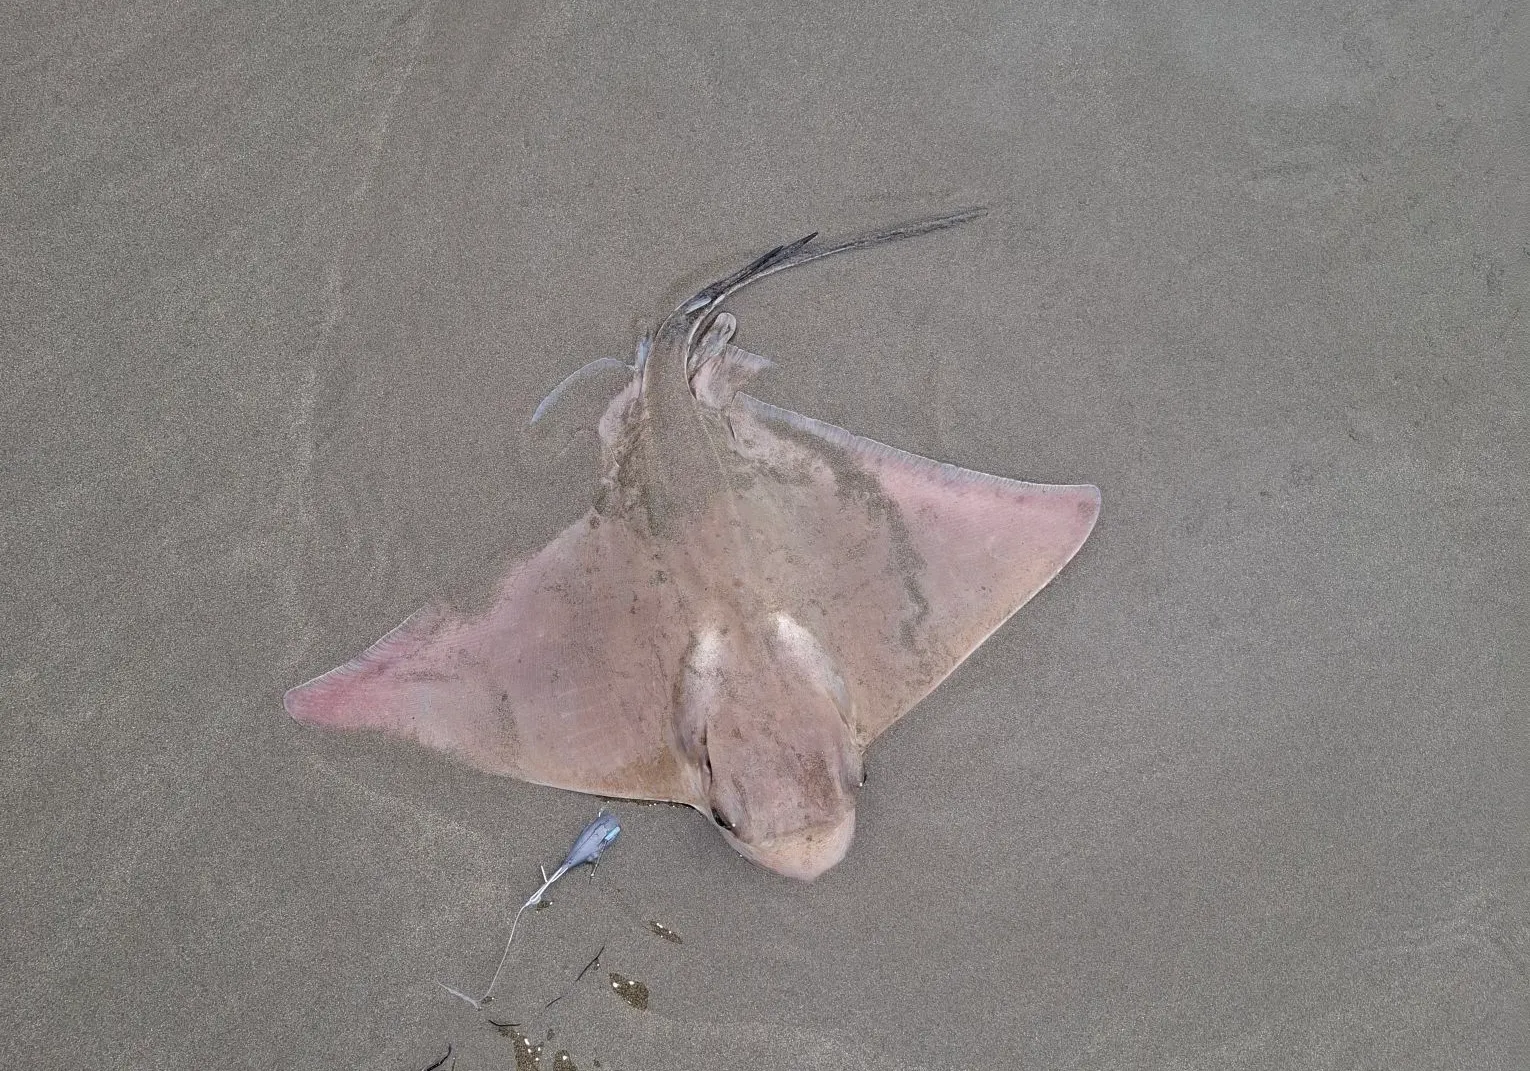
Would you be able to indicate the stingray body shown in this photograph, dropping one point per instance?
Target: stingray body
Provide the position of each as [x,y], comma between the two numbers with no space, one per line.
[753,598]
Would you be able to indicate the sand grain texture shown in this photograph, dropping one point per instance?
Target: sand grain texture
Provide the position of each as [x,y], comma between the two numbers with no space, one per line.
[282,283]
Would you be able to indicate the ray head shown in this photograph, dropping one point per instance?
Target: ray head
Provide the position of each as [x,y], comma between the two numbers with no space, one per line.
[804,854]
[778,767]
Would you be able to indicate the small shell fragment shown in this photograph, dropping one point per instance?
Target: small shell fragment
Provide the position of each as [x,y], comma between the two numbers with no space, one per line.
[631,990]
[664,932]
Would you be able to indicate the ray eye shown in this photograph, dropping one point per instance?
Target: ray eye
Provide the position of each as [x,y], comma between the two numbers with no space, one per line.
[721,819]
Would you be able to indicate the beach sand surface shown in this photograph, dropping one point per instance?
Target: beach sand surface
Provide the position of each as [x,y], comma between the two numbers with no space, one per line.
[1246,787]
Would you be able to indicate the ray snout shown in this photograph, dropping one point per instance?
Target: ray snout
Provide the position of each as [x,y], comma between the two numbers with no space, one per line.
[803,855]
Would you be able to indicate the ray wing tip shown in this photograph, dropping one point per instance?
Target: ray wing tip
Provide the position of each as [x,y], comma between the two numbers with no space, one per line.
[298,702]
[1091,504]
[1086,499]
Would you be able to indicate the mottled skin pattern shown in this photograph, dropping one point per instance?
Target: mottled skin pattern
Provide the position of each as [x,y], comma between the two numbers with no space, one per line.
[754,597]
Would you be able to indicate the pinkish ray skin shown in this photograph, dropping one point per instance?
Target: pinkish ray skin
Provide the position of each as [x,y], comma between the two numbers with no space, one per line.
[754,598]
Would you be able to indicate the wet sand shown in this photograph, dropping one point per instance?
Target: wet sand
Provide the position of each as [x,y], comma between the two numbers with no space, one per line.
[1244,788]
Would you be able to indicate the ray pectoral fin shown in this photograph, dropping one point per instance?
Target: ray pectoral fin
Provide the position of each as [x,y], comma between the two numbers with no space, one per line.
[412,684]
[987,547]
[920,561]
[369,691]
[561,681]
